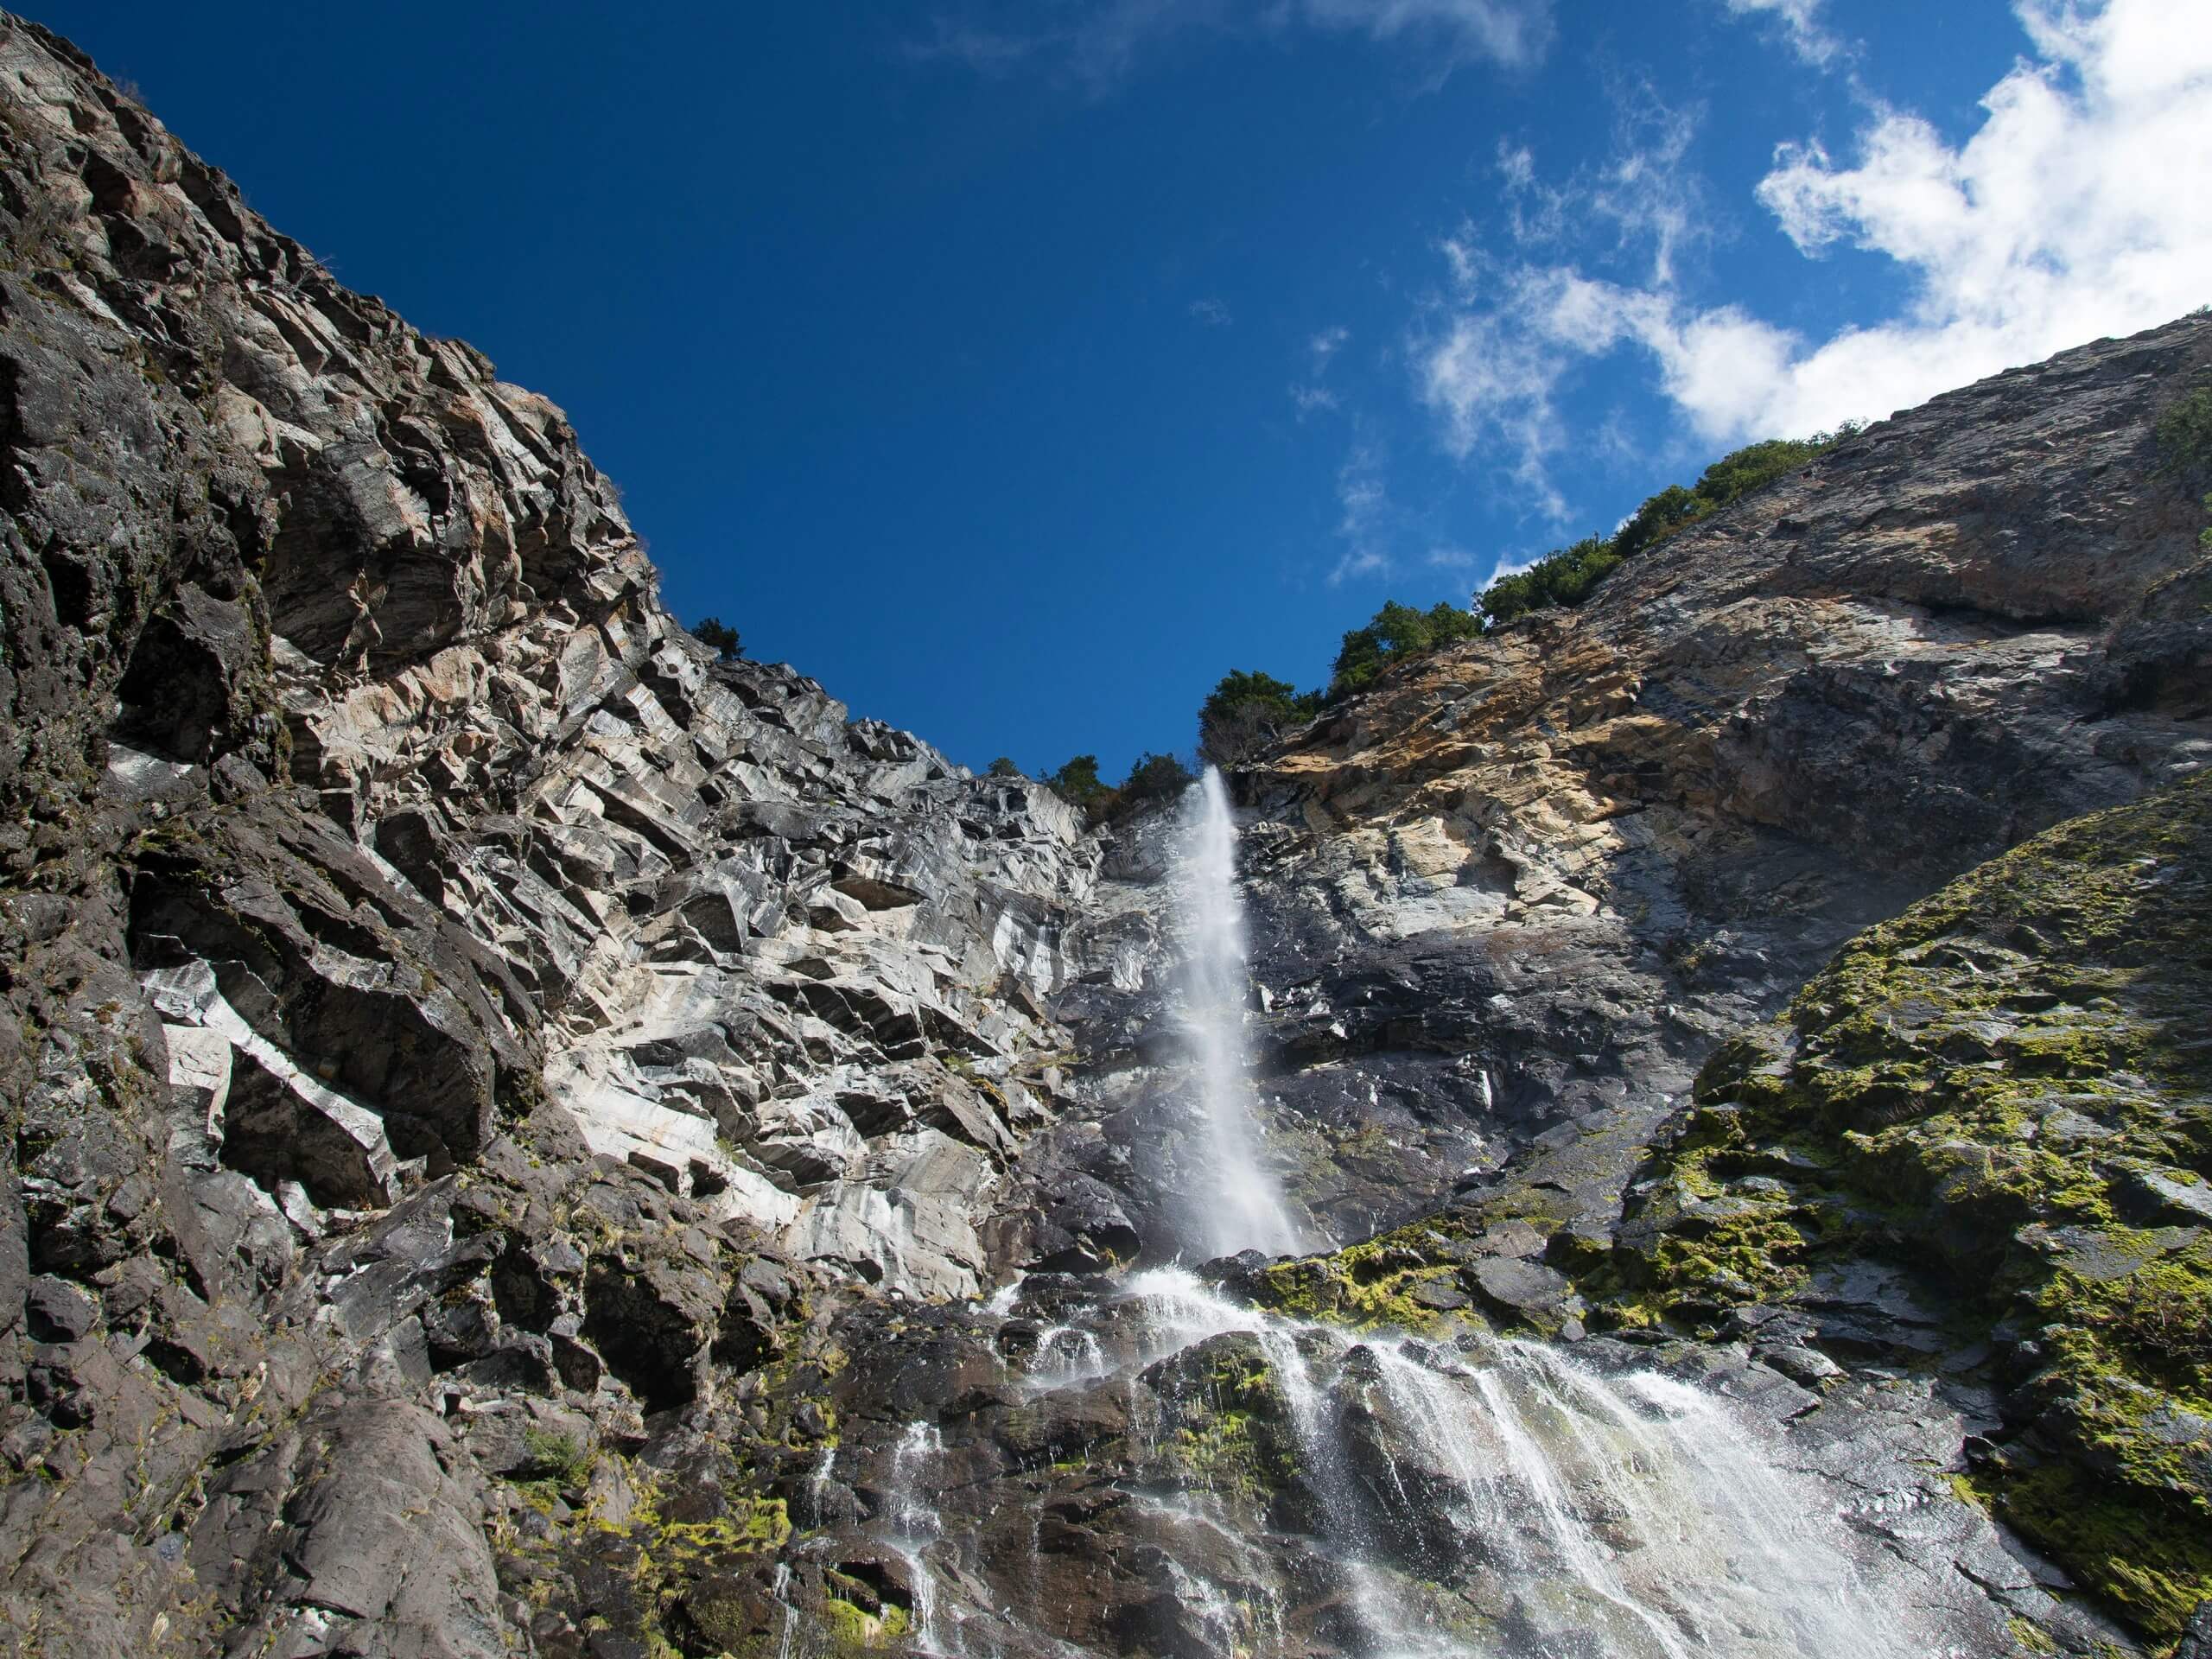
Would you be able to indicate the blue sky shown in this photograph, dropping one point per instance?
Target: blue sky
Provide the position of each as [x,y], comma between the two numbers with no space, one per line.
[1016,369]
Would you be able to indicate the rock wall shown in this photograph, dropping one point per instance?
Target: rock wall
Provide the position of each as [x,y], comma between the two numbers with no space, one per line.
[1518,892]
[450,1007]
[523,1136]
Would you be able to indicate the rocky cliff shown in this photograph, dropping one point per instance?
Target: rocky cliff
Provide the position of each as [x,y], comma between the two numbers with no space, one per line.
[524,1137]
[449,1006]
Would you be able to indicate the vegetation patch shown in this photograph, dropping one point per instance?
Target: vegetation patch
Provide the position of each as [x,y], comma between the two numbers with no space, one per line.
[1229,1433]
[1567,576]
[2184,438]
[1399,1281]
[1153,778]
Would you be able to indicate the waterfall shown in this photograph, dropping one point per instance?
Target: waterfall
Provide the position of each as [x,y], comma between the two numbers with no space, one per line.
[1296,1487]
[1237,1205]
[914,1523]
[779,1590]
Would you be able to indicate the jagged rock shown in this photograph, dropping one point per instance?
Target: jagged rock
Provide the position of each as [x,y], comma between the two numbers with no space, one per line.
[1519,1288]
[378,1549]
[2196,1640]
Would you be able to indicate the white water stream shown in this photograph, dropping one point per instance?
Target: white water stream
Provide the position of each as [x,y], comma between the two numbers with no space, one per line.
[1494,1498]
[1238,1206]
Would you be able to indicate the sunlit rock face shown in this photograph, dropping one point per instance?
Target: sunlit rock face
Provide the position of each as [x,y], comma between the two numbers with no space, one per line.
[527,1138]
[439,976]
[1522,888]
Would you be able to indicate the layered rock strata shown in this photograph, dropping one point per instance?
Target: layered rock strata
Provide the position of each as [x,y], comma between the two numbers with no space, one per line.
[450,1006]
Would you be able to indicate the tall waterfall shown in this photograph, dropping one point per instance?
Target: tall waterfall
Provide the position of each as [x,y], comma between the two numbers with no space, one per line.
[1237,1205]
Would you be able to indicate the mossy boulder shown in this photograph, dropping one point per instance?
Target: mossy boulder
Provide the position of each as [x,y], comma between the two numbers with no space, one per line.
[1995,1110]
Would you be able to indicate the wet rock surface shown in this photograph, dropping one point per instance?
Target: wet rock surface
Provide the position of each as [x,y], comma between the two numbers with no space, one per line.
[523,1137]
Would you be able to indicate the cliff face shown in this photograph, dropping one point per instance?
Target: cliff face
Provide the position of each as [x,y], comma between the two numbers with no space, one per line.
[523,1137]
[437,982]
[1538,876]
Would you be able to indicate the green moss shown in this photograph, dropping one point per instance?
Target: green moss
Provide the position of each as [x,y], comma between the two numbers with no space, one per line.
[1226,1427]
[1990,1093]
[1366,1286]
[851,1628]
[2152,1561]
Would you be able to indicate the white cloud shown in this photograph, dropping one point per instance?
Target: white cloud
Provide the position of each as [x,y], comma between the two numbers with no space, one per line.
[1098,41]
[1494,367]
[1494,383]
[1367,516]
[1645,193]
[1502,31]
[1311,397]
[1211,313]
[2077,209]
[1800,26]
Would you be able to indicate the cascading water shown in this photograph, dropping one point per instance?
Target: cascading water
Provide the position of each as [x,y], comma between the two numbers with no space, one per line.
[1239,1206]
[1479,1497]
[914,1522]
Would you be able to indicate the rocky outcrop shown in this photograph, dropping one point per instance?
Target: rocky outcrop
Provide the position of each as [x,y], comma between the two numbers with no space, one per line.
[1982,1139]
[1523,886]
[523,1136]
[1972,1153]
[1505,904]
[445,997]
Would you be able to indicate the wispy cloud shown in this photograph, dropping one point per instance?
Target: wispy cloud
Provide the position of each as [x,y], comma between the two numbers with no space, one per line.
[1311,396]
[1644,195]
[2058,221]
[1367,519]
[1097,42]
[1490,361]
[1800,23]
[1211,313]
[1495,384]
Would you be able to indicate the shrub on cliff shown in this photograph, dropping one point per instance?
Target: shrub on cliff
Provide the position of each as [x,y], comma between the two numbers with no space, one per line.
[1077,782]
[1394,634]
[1566,576]
[1559,579]
[1154,777]
[714,631]
[2184,436]
[1248,712]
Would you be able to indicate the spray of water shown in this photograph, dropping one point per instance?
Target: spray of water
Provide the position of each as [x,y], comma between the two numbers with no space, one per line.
[1239,1206]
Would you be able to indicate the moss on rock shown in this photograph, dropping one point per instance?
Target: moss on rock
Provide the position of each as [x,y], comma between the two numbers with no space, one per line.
[2005,1095]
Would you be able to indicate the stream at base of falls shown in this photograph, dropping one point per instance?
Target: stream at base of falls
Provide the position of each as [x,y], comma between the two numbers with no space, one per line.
[1140,1463]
